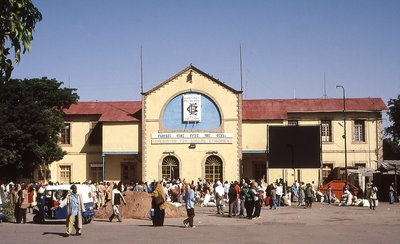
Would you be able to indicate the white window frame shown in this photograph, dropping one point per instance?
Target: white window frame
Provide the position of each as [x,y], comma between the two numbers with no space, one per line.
[326,128]
[359,130]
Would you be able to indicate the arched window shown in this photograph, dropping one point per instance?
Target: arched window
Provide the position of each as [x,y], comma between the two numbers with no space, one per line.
[170,168]
[213,169]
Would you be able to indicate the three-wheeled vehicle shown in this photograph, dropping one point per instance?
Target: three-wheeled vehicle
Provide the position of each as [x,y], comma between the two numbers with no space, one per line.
[2,216]
[52,203]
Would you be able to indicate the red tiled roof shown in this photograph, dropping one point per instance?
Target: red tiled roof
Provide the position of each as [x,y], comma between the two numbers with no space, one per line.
[272,109]
[108,111]
[263,109]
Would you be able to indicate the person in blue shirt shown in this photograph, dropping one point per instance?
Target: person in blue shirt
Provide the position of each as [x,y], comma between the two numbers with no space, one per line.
[189,201]
[329,194]
[294,194]
[75,208]
[392,193]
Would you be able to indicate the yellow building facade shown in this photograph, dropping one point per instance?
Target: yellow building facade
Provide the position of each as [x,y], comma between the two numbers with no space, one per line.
[194,126]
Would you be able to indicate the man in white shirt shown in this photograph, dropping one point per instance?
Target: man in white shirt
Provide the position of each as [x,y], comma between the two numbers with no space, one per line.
[116,199]
[279,193]
[219,197]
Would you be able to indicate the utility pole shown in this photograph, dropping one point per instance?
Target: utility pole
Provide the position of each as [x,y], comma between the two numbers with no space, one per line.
[344,126]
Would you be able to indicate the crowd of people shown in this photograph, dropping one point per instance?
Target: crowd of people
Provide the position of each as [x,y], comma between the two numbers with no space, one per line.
[23,198]
[243,199]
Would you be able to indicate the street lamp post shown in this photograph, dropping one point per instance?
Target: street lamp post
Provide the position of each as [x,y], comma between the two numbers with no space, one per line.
[290,146]
[344,126]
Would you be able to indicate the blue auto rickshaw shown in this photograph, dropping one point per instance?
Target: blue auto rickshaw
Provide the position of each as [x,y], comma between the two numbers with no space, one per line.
[52,203]
[2,216]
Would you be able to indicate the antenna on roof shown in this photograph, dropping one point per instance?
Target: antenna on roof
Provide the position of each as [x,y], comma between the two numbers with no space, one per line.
[141,70]
[241,71]
[325,95]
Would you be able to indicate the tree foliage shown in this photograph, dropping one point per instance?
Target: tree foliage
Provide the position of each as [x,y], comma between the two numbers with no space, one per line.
[8,209]
[391,151]
[17,24]
[394,117]
[31,118]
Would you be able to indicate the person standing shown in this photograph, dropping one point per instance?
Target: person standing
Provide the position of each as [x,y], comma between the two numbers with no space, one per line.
[309,195]
[101,193]
[116,197]
[392,193]
[14,200]
[158,204]
[302,194]
[226,189]
[184,190]
[108,191]
[189,201]
[368,191]
[242,199]
[279,193]
[257,202]
[329,194]
[247,200]
[273,197]
[372,195]
[293,190]
[237,206]
[250,201]
[23,202]
[219,197]
[314,188]
[75,208]
[232,196]
[32,195]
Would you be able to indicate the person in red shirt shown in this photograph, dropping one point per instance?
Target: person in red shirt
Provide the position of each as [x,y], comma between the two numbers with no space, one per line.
[31,198]
[237,189]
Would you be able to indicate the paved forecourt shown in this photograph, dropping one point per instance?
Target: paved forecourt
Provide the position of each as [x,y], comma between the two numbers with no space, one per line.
[321,224]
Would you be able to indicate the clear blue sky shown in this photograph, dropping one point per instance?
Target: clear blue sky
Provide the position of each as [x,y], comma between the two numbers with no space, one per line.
[287,46]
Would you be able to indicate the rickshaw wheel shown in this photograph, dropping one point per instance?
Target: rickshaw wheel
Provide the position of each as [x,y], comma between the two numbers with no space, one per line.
[38,220]
[87,220]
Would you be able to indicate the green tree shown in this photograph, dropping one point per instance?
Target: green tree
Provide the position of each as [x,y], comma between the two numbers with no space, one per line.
[390,150]
[31,118]
[394,117]
[17,24]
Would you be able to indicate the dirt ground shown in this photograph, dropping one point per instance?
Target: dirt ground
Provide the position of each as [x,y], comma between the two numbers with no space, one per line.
[327,224]
[138,205]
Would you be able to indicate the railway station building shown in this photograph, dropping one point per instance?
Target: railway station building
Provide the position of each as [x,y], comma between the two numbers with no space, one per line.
[194,126]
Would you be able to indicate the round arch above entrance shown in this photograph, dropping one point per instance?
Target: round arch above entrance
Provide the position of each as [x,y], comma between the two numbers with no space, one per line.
[209,112]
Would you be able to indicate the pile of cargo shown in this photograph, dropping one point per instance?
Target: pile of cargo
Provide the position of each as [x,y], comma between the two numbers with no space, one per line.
[138,205]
